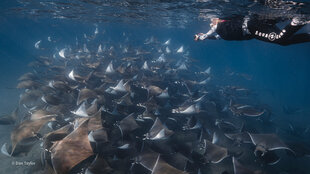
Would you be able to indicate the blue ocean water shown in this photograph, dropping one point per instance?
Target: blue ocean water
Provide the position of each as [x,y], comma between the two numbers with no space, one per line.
[279,76]
[282,71]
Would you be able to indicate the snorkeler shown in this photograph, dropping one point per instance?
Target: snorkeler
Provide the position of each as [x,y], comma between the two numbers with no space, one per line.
[253,26]
[246,28]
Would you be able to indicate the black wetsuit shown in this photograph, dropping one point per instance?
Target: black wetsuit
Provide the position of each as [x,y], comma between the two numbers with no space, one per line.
[241,28]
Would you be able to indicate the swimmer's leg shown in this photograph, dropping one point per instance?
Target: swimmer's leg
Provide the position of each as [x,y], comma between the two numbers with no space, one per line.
[271,33]
[289,30]
[296,39]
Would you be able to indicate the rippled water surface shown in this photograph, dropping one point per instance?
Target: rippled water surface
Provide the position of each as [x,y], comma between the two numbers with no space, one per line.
[164,12]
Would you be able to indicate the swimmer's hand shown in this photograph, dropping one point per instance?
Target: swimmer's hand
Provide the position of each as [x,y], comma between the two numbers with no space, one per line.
[196,37]
[199,36]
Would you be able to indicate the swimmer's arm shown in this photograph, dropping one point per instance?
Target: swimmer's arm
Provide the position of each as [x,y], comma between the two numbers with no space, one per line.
[202,36]
[214,37]
[209,35]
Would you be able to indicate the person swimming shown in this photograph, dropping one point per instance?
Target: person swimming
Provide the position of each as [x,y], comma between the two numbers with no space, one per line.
[253,26]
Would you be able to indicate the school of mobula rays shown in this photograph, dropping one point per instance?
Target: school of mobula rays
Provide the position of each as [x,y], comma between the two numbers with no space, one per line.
[101,111]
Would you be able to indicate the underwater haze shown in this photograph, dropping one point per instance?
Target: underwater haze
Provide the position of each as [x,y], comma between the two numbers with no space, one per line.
[50,39]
